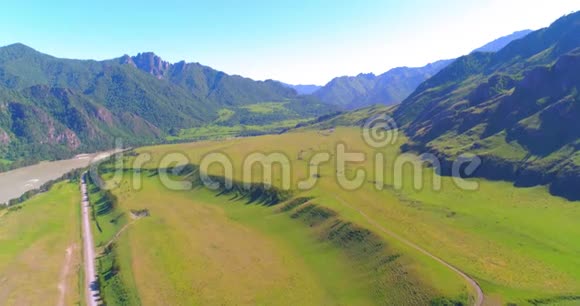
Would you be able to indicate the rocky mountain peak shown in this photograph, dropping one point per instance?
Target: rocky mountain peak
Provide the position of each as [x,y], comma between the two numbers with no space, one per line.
[148,62]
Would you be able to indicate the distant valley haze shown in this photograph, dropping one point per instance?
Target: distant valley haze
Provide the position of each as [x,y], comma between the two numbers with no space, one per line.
[295,42]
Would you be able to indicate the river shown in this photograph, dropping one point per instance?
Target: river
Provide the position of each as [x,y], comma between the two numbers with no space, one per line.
[16,182]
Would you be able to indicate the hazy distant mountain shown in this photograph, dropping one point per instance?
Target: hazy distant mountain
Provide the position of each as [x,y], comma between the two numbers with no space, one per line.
[52,107]
[390,87]
[393,86]
[501,42]
[303,89]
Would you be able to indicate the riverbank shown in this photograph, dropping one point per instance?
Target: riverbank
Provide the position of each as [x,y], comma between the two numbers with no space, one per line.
[16,182]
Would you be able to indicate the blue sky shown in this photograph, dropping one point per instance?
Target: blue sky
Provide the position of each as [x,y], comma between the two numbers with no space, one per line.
[297,41]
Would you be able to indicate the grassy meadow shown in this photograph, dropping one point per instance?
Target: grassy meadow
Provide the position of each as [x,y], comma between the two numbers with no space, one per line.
[267,107]
[40,249]
[215,131]
[199,248]
[250,120]
[520,244]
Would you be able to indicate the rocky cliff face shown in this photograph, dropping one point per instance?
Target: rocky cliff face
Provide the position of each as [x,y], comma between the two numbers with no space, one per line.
[148,62]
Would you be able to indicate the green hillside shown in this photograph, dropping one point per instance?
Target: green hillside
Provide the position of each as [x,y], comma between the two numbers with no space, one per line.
[395,85]
[518,109]
[52,108]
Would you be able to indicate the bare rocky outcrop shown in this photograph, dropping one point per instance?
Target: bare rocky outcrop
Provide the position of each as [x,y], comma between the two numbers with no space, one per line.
[104,115]
[70,138]
[55,133]
[148,62]
[4,137]
[67,137]
[140,126]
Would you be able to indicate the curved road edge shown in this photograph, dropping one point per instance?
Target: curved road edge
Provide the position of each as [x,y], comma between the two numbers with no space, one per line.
[472,282]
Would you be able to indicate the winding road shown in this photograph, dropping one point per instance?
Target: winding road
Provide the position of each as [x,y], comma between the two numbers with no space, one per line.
[91,282]
[479,298]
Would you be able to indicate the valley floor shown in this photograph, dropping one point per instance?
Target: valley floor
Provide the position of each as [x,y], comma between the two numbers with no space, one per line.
[40,249]
[322,246]
[198,248]
[519,244]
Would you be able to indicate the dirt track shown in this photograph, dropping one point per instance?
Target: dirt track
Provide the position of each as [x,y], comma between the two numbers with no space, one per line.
[479,298]
[62,288]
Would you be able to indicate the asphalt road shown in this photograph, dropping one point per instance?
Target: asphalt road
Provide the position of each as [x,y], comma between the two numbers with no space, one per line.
[91,281]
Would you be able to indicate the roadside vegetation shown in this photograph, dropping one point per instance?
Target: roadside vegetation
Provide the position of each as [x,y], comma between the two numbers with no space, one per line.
[40,248]
[116,286]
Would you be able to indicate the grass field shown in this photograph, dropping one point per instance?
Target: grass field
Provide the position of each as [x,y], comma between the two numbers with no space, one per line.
[224,115]
[266,108]
[215,131]
[200,249]
[520,244]
[40,249]
[250,120]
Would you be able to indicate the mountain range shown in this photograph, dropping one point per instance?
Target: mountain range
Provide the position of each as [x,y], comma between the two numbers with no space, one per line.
[393,86]
[367,89]
[303,89]
[517,108]
[501,42]
[52,107]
